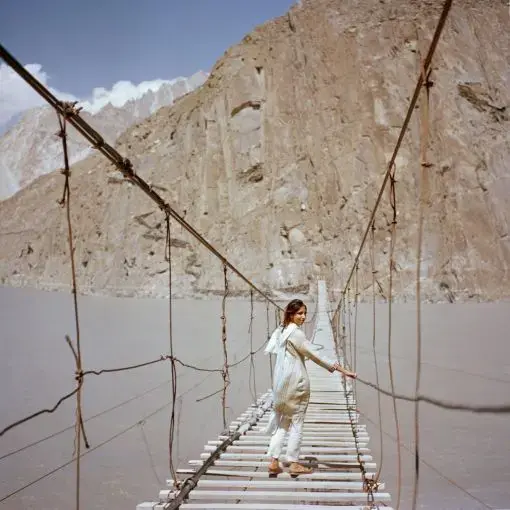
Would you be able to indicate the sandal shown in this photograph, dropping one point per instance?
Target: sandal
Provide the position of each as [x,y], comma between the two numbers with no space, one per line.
[299,469]
[274,468]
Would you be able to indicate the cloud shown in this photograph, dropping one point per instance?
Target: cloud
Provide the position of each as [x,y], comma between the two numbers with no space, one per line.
[121,93]
[16,96]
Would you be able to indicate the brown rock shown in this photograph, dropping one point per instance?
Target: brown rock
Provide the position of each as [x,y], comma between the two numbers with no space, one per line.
[305,111]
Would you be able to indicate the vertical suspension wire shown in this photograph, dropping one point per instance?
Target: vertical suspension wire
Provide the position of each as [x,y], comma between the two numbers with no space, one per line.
[392,268]
[356,296]
[368,483]
[268,335]
[354,384]
[173,368]
[252,375]
[349,325]
[69,108]
[374,325]
[344,327]
[338,331]
[423,193]
[225,373]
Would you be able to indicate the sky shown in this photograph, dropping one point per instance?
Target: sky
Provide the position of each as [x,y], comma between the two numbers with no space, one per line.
[76,46]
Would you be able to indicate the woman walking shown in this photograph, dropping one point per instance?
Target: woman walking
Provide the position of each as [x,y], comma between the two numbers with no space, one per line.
[291,386]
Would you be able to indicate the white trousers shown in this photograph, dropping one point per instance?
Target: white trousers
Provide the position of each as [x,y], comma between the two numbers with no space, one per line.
[294,427]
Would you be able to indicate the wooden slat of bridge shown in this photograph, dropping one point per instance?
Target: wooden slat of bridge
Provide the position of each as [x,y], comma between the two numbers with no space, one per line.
[239,478]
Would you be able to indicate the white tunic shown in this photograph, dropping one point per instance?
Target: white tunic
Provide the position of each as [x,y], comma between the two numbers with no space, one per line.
[291,385]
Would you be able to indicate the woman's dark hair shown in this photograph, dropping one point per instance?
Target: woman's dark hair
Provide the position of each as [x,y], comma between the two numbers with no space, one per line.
[291,309]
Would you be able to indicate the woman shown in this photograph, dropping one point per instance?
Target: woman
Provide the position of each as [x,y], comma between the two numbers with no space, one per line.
[291,386]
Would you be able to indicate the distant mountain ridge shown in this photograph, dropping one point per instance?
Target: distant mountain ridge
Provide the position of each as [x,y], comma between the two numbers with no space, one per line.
[29,147]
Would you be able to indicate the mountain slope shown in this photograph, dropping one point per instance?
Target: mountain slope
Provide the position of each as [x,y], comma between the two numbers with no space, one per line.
[277,160]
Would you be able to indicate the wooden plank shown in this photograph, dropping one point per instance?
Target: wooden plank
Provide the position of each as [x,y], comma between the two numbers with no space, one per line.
[252,441]
[315,413]
[288,484]
[338,422]
[263,506]
[304,449]
[311,413]
[287,496]
[345,464]
[311,428]
[316,475]
[347,426]
[316,457]
[314,435]
[320,424]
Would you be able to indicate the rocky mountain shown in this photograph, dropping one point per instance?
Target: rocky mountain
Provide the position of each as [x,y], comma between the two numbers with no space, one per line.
[278,157]
[30,147]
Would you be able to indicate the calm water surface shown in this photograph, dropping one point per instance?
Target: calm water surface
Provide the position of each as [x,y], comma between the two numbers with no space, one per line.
[465,359]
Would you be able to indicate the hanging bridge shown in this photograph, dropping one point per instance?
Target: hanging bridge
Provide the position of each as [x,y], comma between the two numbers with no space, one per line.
[232,470]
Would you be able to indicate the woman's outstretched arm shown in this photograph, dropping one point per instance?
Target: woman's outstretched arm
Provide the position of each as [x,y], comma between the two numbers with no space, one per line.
[306,348]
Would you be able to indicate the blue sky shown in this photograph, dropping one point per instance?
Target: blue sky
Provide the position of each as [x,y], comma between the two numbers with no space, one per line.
[83,44]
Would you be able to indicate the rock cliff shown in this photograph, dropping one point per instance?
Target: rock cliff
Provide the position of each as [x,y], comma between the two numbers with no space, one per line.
[278,157]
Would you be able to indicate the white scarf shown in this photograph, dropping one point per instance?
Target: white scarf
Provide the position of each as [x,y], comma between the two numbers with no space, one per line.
[279,338]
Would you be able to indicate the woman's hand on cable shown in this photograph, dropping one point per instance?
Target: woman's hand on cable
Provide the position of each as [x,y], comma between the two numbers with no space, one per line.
[347,373]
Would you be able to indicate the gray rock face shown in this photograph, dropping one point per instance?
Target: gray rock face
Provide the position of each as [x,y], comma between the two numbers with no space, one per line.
[278,157]
[30,147]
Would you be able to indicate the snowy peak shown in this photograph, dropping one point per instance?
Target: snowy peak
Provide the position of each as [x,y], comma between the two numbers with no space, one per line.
[29,148]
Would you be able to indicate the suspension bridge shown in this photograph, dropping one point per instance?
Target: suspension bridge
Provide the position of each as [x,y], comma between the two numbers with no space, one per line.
[232,472]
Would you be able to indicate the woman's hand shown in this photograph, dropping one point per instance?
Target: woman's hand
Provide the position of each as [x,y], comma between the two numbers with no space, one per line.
[347,373]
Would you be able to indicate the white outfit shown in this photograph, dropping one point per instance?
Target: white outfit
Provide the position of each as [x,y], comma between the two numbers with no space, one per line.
[291,388]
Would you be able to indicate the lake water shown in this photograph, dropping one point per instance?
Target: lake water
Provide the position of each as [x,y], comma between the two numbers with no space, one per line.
[465,354]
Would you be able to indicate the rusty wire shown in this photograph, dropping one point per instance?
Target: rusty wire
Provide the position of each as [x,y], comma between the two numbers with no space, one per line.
[393,237]
[374,325]
[173,369]
[433,468]
[97,415]
[442,404]
[225,373]
[369,485]
[30,417]
[68,110]
[349,324]
[344,322]
[367,482]
[103,443]
[161,358]
[79,379]
[152,464]
[423,192]
[356,296]
[268,336]
[252,377]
